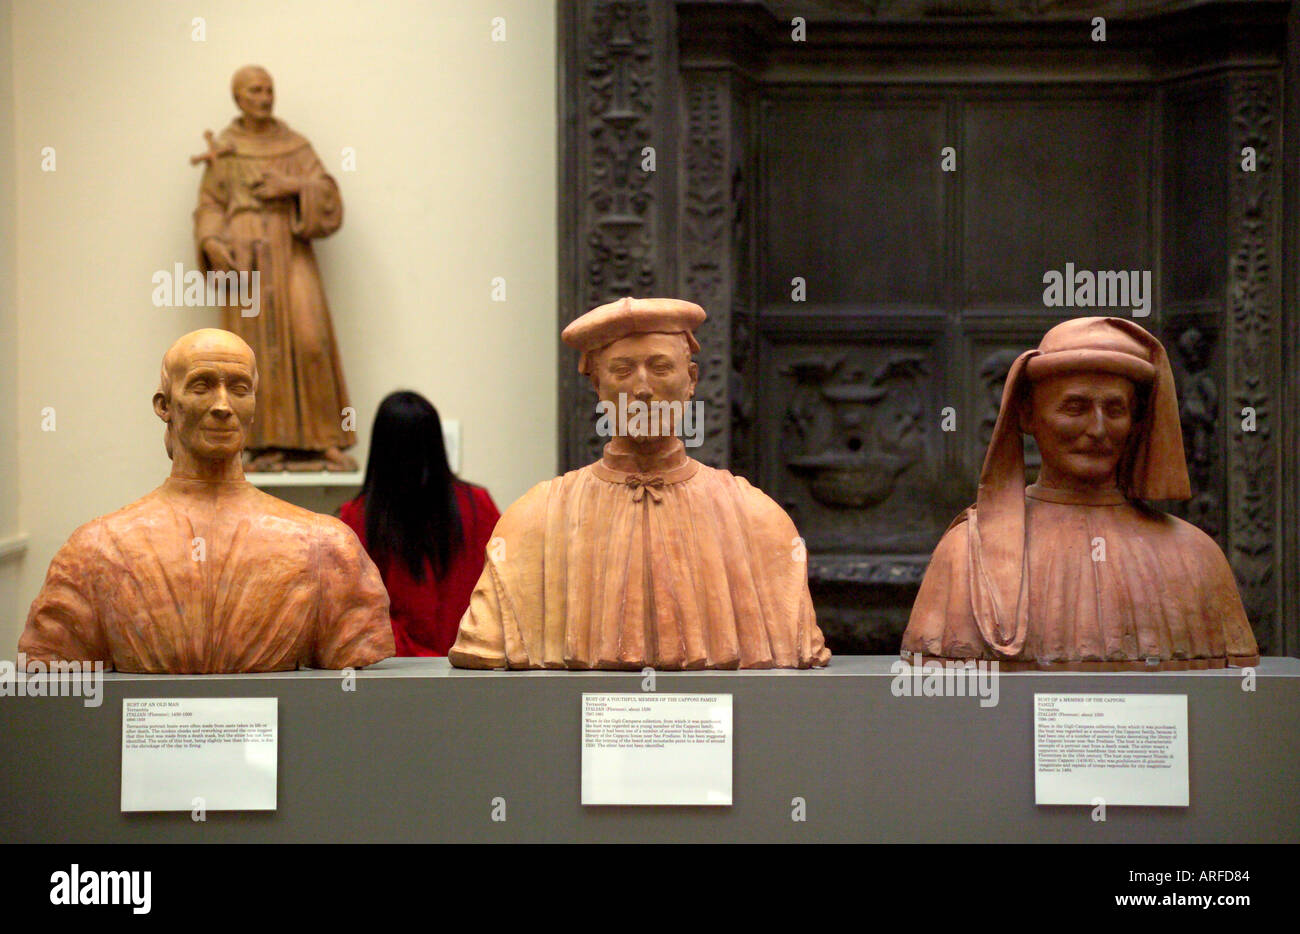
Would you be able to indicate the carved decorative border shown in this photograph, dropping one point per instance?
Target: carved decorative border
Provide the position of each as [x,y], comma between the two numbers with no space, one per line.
[1253,332]
[706,248]
[610,214]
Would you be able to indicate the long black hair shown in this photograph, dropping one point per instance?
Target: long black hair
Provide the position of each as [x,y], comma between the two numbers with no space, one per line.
[409,490]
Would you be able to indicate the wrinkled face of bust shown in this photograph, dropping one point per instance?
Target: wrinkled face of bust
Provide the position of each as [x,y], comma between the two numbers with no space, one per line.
[212,402]
[648,368]
[255,94]
[1082,423]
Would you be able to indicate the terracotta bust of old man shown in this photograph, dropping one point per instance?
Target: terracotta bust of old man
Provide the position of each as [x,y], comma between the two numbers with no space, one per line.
[1076,572]
[646,557]
[208,574]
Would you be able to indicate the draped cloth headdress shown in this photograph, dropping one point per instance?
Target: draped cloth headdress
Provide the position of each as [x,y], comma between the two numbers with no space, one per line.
[1153,466]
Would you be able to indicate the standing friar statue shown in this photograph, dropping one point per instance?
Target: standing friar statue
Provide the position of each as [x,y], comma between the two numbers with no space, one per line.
[264,197]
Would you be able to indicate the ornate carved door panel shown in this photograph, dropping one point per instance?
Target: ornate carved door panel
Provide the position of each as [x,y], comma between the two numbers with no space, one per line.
[866,205]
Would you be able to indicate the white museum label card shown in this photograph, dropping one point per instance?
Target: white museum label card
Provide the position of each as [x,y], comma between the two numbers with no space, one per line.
[656,749]
[187,753]
[1124,749]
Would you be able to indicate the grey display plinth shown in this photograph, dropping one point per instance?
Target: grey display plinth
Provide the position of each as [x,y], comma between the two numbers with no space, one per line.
[419,751]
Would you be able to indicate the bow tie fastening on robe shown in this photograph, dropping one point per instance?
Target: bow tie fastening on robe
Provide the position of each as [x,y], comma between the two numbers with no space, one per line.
[640,485]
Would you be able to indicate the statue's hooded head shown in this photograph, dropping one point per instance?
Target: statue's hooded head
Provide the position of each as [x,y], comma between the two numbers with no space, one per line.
[1126,430]
[253,91]
[207,395]
[639,349]
[1103,357]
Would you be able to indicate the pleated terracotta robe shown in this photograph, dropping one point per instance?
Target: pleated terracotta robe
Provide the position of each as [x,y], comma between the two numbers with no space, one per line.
[1161,596]
[602,568]
[200,577]
[302,394]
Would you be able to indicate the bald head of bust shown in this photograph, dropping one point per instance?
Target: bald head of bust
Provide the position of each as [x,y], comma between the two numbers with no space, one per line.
[207,396]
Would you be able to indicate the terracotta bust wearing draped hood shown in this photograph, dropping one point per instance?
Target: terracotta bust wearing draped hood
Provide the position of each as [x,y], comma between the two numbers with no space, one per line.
[646,557]
[1076,572]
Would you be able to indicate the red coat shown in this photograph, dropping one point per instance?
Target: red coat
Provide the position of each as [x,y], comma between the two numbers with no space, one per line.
[426,614]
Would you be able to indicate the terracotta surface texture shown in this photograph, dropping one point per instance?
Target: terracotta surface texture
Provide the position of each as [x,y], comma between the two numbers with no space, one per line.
[1076,571]
[646,558]
[208,574]
[263,198]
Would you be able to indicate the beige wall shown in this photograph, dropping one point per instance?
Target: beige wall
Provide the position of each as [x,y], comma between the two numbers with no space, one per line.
[454,184]
[9,525]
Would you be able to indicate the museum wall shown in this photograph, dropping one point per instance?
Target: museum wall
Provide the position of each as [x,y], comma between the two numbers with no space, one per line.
[454,185]
[10,531]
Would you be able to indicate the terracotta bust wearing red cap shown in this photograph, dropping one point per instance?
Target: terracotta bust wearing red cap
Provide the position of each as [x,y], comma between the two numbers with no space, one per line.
[1076,572]
[646,558]
[208,574]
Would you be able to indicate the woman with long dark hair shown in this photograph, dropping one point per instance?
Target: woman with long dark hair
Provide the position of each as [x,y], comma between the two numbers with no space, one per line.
[424,528]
